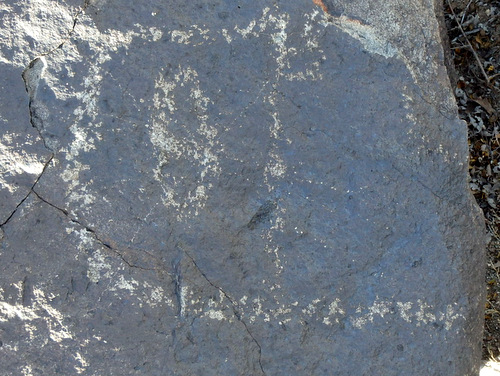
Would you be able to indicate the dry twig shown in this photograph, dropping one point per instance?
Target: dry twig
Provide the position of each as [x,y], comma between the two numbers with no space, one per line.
[468,42]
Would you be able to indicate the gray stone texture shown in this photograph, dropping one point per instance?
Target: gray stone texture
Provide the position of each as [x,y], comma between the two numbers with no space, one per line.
[233,188]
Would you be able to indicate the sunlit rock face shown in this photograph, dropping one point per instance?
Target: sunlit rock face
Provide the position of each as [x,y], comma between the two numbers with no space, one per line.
[233,188]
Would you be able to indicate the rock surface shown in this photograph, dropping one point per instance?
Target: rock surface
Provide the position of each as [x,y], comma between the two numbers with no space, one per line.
[233,188]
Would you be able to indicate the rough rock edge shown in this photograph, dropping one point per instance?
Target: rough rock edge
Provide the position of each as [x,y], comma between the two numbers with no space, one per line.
[449,64]
[445,42]
[31,89]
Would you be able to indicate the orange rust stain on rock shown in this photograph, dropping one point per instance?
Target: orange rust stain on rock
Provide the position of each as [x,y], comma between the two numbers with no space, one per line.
[321,4]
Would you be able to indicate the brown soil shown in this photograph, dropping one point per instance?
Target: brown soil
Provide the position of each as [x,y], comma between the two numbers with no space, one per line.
[474,32]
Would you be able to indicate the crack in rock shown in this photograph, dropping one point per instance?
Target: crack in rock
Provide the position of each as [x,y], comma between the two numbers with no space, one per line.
[234,305]
[104,243]
[71,31]
[178,279]
[31,77]
[29,193]
[416,179]
[38,112]
[34,72]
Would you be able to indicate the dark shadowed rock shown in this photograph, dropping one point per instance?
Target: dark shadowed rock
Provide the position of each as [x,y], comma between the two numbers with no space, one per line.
[233,188]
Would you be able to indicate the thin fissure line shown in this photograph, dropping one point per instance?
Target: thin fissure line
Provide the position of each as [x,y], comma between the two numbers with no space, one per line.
[82,9]
[234,307]
[90,230]
[29,193]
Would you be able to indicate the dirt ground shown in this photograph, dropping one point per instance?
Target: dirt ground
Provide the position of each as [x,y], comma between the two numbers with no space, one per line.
[474,33]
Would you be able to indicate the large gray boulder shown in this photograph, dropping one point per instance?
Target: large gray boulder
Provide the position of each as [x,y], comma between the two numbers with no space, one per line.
[233,188]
